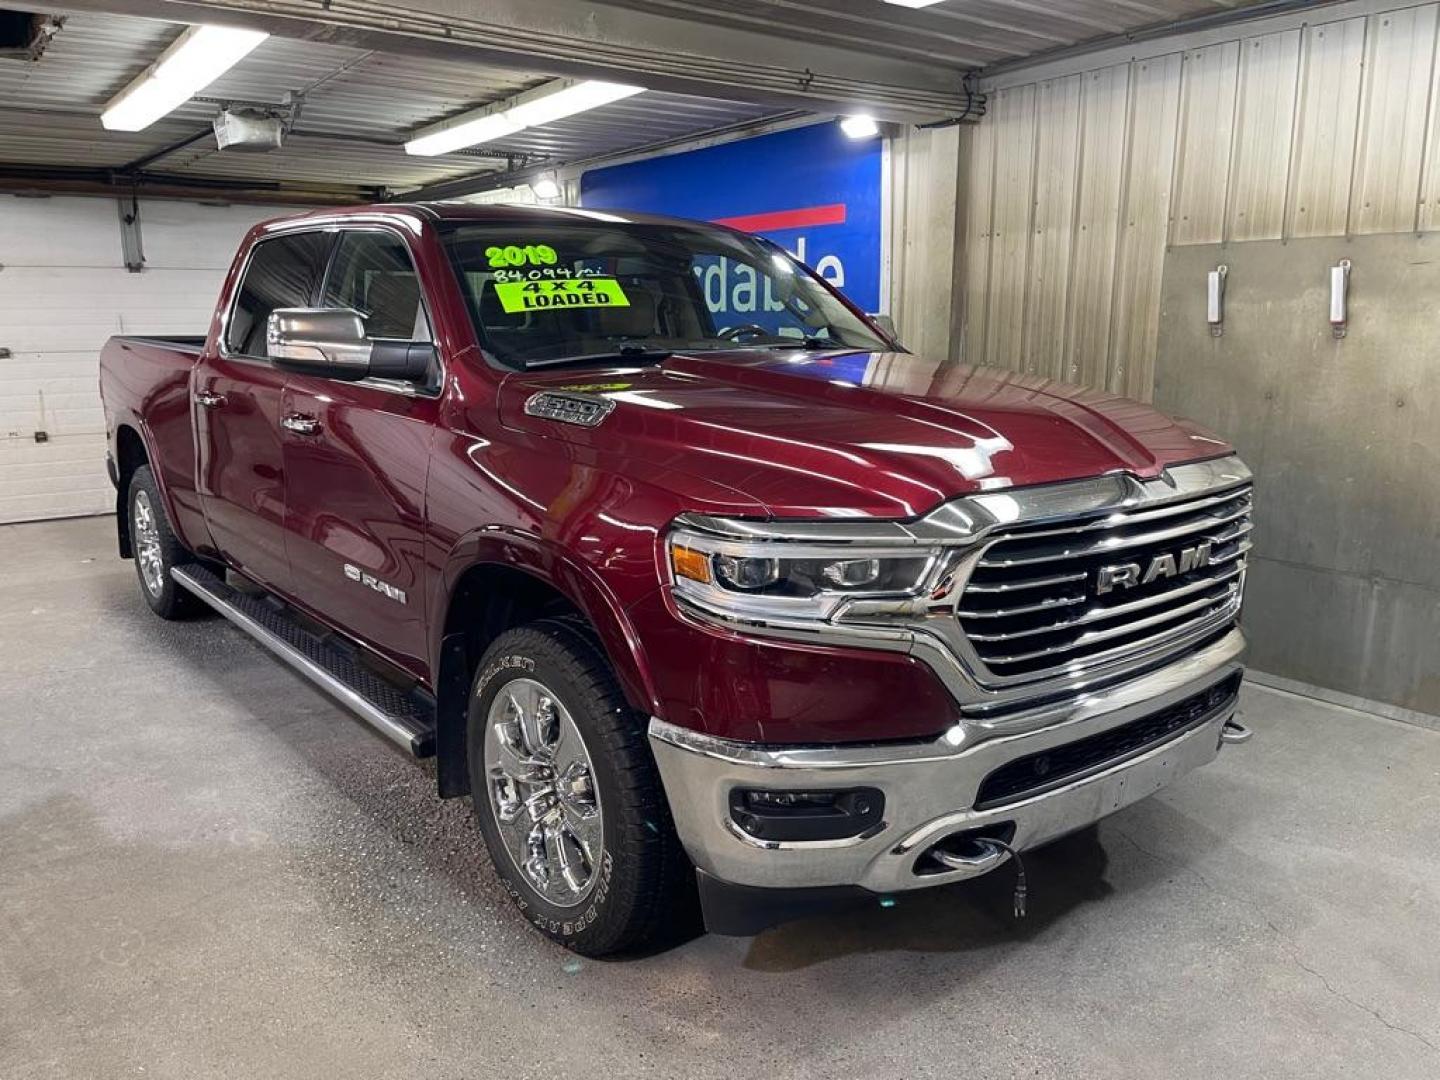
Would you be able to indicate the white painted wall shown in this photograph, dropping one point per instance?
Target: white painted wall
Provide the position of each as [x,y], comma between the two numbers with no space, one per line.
[63,290]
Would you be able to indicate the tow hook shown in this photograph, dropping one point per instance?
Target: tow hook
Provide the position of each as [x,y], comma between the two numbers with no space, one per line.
[1235,732]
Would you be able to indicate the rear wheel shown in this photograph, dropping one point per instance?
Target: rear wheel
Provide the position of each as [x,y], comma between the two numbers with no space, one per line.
[157,550]
[568,797]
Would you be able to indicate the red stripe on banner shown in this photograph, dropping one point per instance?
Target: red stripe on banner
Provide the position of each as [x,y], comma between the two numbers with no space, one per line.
[833,214]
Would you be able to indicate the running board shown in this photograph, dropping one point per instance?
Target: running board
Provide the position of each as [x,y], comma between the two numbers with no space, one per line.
[400,716]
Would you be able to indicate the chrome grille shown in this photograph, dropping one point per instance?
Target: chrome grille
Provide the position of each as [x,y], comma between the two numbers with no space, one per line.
[1036,603]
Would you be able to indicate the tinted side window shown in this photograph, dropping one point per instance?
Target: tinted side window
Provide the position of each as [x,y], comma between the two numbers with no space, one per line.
[283,272]
[373,274]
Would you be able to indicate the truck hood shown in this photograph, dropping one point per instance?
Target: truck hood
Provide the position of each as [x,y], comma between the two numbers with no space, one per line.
[857,434]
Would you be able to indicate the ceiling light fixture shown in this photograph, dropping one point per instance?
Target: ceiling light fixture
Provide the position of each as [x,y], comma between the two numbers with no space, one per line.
[860,127]
[546,186]
[912,3]
[543,105]
[469,133]
[197,58]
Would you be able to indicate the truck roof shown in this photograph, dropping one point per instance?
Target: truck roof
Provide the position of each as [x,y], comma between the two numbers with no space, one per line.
[496,214]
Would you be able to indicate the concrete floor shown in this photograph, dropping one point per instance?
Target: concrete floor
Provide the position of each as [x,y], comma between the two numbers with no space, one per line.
[209,870]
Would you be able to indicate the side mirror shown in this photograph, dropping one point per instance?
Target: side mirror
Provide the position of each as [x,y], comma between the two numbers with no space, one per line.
[331,343]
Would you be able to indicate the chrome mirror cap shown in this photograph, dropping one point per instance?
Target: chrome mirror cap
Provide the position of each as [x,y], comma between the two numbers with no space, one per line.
[328,341]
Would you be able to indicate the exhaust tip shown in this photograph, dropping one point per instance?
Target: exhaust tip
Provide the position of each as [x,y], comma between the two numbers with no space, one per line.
[966,850]
[1234,733]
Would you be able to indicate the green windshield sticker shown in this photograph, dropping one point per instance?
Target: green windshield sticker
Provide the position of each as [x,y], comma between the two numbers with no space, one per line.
[521,255]
[521,296]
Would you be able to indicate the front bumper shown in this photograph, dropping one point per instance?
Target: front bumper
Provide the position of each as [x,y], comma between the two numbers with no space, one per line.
[930,788]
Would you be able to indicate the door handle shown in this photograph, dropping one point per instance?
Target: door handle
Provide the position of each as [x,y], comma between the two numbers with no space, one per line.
[209,399]
[301,425]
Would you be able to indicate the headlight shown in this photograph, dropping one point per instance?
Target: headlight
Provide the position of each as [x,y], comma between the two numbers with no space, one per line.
[790,579]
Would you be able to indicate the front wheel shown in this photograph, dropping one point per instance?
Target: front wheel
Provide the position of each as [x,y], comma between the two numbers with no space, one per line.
[568,797]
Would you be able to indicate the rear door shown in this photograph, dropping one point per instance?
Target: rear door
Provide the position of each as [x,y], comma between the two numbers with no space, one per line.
[237,398]
[356,458]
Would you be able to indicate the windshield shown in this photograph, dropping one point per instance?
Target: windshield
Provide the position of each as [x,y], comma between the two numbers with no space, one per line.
[560,291]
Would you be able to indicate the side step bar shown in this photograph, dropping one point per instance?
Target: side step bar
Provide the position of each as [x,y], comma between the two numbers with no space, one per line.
[402,717]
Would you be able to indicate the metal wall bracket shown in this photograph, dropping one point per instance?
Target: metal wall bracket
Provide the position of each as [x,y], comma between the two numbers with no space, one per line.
[1215,299]
[1339,298]
[132,247]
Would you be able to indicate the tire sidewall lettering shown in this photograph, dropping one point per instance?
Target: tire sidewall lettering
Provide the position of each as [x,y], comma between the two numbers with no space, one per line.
[502,664]
[574,925]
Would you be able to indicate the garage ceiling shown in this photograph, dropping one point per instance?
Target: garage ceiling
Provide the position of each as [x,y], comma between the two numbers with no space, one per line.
[964,34]
[355,107]
[358,78]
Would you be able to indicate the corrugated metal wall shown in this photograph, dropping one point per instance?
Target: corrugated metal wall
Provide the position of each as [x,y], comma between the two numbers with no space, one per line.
[1077,184]
[921,208]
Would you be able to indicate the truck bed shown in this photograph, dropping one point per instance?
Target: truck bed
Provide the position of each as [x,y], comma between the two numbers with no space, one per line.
[145,386]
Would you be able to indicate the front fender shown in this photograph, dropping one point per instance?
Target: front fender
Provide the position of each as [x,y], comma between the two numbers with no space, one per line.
[549,563]
[532,555]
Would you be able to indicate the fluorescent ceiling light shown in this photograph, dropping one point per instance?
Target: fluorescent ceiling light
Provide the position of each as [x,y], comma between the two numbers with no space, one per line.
[568,102]
[860,127]
[912,3]
[469,133]
[198,57]
[543,105]
[546,187]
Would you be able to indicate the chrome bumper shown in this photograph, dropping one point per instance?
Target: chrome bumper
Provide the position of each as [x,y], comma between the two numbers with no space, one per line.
[930,788]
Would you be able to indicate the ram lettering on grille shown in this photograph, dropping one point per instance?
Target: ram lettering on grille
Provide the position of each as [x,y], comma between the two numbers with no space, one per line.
[1053,598]
[1128,575]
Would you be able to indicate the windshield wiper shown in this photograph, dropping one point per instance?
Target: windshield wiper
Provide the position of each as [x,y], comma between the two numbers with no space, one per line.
[807,343]
[624,352]
[795,343]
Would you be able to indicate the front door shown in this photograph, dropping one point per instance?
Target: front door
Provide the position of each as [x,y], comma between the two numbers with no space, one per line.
[237,396]
[356,459]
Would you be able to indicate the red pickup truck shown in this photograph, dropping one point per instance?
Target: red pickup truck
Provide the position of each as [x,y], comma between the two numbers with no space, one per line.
[715,600]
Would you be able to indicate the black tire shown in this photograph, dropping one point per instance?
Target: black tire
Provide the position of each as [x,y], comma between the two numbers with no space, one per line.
[166,599]
[642,892]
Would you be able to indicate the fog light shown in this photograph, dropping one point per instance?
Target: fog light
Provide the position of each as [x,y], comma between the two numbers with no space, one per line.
[806,815]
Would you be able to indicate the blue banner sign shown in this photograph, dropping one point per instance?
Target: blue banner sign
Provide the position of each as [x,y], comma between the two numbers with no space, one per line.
[811,190]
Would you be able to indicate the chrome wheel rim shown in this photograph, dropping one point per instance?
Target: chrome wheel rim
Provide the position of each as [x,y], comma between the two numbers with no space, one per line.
[542,792]
[146,534]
